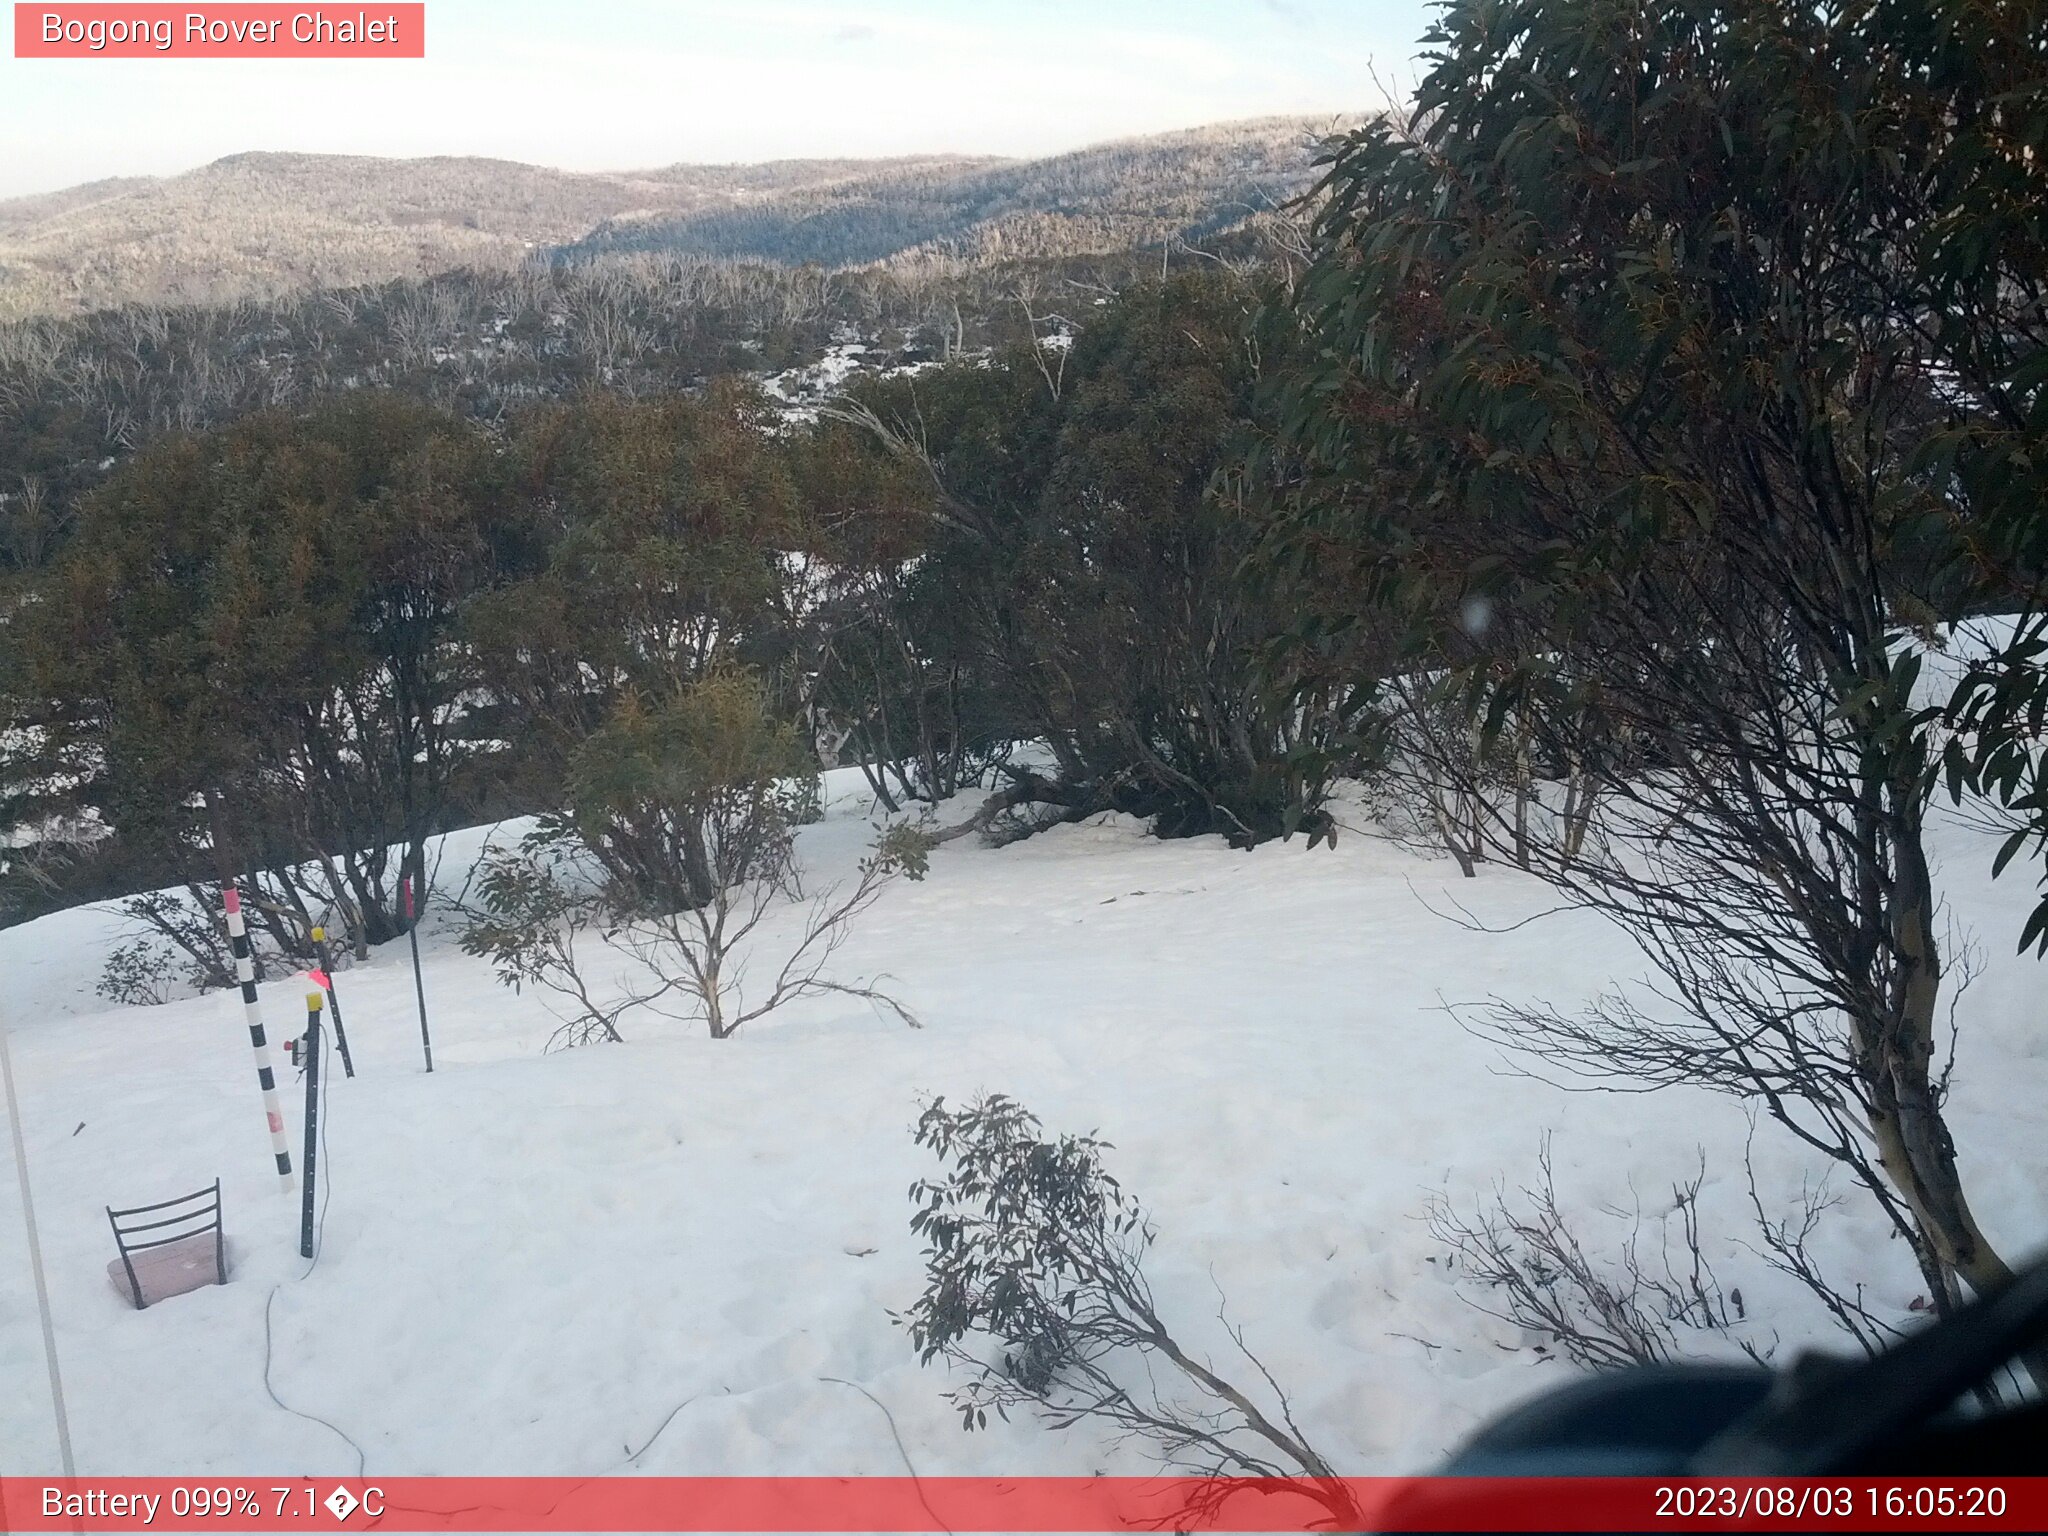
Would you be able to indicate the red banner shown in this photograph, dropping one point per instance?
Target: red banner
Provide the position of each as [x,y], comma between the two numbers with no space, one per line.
[1030,1504]
[235,31]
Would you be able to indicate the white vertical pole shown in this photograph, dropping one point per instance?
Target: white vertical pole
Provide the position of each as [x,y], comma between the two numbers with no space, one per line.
[35,1260]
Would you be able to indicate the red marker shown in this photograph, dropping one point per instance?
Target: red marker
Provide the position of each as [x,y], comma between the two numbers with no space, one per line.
[326,983]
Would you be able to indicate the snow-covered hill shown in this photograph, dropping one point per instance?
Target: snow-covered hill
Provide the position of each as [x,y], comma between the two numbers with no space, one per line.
[530,1261]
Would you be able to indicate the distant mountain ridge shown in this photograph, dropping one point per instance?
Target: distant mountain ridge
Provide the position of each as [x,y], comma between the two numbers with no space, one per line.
[1120,195]
[261,223]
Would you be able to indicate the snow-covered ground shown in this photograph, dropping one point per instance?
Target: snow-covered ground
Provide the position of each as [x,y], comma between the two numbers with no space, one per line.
[530,1261]
[802,391]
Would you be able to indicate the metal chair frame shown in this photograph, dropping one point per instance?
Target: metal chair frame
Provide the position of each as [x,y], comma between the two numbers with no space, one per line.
[207,1217]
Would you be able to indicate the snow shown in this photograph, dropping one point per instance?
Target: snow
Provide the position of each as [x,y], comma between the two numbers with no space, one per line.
[528,1262]
[801,391]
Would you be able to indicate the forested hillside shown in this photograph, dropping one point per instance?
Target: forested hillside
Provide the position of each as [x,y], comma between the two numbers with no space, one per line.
[78,395]
[1140,192]
[257,226]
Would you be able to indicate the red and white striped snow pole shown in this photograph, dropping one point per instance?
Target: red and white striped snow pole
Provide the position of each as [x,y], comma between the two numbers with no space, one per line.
[245,973]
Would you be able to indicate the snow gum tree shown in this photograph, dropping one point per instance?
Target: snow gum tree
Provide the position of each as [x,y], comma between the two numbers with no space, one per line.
[661,528]
[1086,529]
[248,650]
[683,796]
[688,804]
[1624,409]
[896,661]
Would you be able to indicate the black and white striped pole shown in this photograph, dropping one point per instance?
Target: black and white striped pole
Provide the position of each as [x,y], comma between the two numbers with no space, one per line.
[245,973]
[313,1001]
[325,977]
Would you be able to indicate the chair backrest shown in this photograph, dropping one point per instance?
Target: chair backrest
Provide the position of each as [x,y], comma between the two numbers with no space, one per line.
[143,1227]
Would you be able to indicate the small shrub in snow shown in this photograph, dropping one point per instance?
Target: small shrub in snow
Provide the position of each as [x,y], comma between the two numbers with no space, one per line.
[687,795]
[531,915]
[526,923]
[192,931]
[906,850]
[1034,1288]
[804,801]
[686,810]
[692,803]
[137,973]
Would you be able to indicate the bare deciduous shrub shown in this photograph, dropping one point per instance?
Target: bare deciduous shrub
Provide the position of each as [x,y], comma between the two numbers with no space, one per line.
[1032,1247]
[691,965]
[1785,1240]
[703,955]
[1538,1276]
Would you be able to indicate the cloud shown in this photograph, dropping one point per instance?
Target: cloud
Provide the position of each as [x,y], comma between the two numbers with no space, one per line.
[859,32]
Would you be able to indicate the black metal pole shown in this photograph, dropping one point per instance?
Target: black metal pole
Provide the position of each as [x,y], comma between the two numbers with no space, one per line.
[313,1000]
[419,987]
[348,1067]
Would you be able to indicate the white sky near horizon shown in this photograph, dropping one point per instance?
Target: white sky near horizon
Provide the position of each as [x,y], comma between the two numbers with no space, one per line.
[622,84]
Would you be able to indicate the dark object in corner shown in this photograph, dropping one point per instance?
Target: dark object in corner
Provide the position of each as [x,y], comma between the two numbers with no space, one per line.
[1913,1411]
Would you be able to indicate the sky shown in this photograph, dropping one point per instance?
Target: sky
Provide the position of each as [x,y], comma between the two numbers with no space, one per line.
[622,84]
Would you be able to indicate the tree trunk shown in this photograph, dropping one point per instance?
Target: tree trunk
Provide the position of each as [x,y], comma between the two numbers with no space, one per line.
[1522,791]
[1914,1146]
[1578,807]
[217,838]
[1446,826]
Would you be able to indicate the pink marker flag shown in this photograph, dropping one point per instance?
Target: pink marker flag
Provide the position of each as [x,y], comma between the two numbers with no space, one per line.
[319,979]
